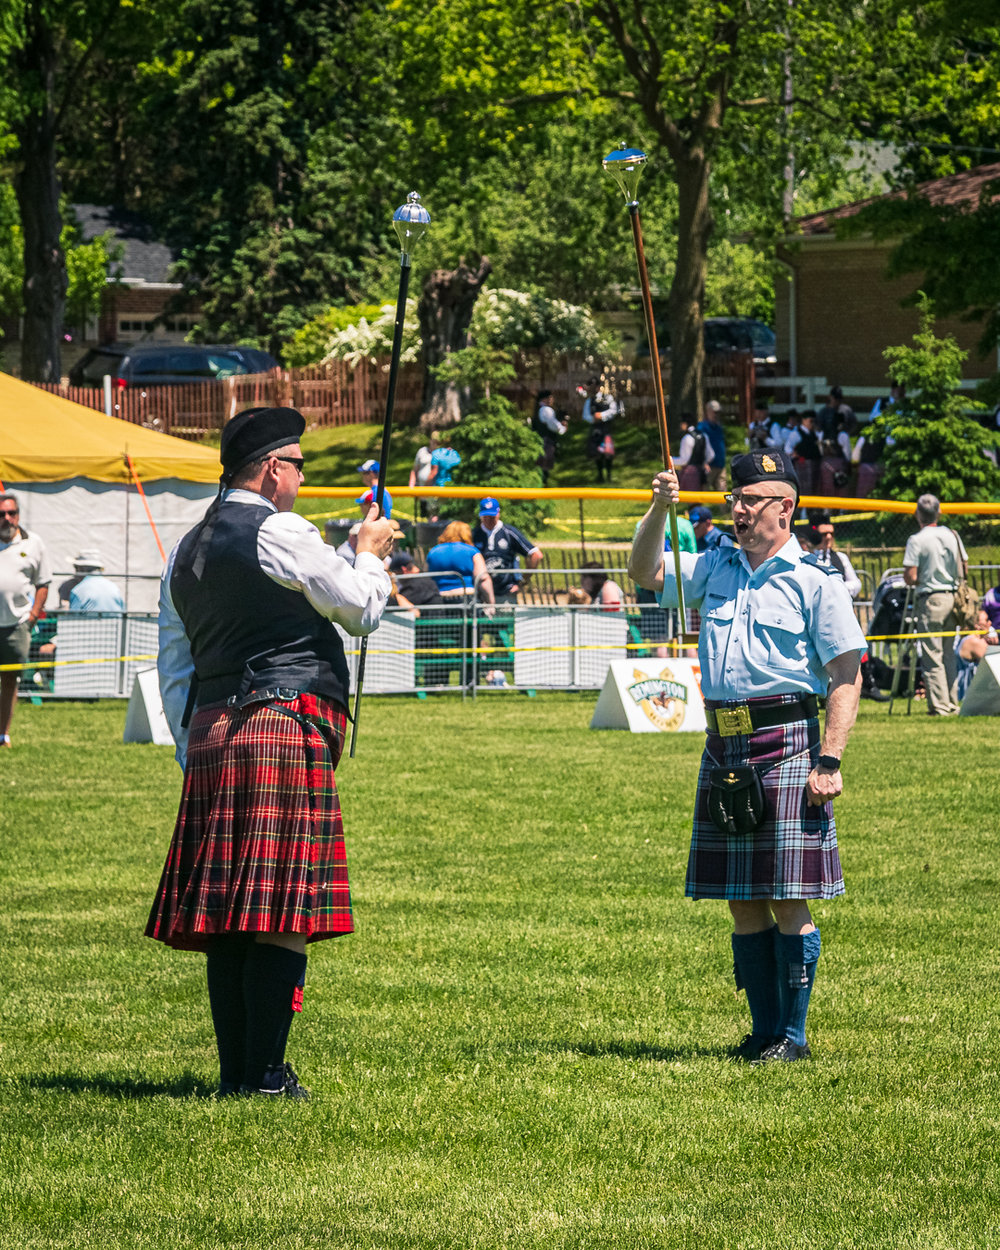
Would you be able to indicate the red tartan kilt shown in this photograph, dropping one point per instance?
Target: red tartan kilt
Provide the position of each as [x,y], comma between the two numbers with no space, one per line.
[258,846]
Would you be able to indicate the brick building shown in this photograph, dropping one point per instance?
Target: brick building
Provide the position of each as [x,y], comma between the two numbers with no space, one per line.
[144,303]
[837,311]
[141,305]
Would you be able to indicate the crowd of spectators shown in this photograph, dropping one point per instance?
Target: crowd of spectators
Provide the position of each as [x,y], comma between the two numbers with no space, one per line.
[829,444]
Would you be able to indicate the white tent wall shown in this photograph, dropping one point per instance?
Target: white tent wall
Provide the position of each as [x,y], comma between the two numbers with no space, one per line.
[80,513]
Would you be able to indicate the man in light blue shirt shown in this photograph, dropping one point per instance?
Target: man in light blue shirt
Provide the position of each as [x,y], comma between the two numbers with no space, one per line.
[93,592]
[777,630]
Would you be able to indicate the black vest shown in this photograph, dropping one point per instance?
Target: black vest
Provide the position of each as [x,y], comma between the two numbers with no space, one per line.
[871,451]
[807,447]
[246,632]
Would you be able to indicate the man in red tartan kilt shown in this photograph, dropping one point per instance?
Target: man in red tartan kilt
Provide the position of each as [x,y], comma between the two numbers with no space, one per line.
[777,631]
[255,687]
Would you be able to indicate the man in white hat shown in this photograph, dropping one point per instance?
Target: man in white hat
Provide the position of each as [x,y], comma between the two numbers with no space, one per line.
[90,590]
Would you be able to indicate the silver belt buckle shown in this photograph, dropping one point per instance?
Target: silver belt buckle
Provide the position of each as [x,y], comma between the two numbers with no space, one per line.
[733,721]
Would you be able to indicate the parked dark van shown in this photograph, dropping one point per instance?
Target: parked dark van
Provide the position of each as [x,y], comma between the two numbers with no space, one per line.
[166,364]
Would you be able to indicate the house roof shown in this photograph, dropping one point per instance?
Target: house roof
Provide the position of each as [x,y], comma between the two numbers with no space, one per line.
[961,190]
[146,259]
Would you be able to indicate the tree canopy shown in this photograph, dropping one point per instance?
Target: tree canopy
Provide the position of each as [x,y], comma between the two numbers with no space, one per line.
[269,140]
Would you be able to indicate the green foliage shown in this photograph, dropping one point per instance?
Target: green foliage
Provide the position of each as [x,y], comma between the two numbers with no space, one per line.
[272,122]
[371,338]
[937,448]
[90,269]
[476,368]
[89,265]
[311,343]
[740,282]
[11,254]
[499,448]
[523,321]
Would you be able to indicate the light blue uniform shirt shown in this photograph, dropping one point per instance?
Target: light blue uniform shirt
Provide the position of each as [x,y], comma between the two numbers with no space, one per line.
[765,631]
[96,594]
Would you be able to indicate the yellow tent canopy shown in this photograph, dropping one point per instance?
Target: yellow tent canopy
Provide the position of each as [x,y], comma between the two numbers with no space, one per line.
[45,438]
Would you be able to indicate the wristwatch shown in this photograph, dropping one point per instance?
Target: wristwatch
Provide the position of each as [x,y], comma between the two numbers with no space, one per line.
[829,762]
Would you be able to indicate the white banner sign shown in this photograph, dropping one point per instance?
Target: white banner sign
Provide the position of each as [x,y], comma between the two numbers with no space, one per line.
[651,696]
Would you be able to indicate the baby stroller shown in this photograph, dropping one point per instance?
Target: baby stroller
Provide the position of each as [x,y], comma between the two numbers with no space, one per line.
[893,613]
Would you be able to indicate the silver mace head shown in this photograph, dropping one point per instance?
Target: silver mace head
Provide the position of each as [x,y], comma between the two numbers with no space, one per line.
[625,165]
[410,221]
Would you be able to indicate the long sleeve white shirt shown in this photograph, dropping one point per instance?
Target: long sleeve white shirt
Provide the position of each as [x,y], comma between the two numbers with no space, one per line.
[292,553]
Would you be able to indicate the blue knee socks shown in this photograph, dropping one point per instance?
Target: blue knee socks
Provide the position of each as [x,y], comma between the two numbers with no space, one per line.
[796,956]
[756,972]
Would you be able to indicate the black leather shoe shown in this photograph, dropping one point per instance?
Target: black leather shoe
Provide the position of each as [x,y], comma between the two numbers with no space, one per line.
[784,1051]
[279,1082]
[751,1048]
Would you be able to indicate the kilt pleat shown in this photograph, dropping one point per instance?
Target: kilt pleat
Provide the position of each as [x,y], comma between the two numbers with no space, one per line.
[793,854]
[258,846]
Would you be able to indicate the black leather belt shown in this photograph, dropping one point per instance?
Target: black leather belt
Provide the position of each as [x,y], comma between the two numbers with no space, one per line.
[746,718]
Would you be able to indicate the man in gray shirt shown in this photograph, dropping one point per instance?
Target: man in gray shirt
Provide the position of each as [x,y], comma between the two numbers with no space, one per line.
[934,562]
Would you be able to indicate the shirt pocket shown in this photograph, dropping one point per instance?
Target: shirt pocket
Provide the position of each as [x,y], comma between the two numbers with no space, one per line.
[716,626]
[778,637]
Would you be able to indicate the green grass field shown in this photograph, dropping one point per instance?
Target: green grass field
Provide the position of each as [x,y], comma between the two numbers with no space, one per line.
[524,1042]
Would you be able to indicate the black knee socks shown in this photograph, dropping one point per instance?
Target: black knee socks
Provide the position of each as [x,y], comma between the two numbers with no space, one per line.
[271,976]
[226,957]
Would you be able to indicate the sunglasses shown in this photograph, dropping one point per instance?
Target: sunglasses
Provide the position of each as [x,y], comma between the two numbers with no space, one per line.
[8,512]
[751,501]
[297,461]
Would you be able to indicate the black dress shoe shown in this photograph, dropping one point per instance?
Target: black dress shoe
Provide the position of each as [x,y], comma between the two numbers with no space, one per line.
[784,1051]
[751,1048]
[280,1082]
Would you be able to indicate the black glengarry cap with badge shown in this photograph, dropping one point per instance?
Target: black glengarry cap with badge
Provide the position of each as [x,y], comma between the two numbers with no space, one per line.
[767,465]
[254,432]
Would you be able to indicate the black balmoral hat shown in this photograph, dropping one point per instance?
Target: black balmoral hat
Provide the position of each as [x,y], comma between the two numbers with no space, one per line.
[254,432]
[769,465]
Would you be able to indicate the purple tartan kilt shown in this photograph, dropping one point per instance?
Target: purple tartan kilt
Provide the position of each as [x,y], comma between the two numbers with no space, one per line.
[793,854]
[259,843]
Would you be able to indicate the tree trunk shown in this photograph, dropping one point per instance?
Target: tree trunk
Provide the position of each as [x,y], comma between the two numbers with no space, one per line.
[37,188]
[687,291]
[444,313]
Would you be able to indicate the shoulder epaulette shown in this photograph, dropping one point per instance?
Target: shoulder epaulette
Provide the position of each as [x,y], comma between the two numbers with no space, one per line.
[815,562]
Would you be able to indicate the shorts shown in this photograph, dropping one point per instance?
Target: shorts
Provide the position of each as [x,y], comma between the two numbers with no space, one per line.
[15,643]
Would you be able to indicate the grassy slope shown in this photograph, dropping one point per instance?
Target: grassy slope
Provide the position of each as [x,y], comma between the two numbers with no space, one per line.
[523,1043]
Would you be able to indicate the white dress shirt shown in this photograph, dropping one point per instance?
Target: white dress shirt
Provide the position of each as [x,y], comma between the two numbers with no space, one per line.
[292,553]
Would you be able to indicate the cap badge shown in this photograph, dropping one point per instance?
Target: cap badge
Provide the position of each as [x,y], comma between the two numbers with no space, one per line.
[768,465]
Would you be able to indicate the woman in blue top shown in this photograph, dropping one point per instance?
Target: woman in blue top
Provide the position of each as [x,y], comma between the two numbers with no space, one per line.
[457,566]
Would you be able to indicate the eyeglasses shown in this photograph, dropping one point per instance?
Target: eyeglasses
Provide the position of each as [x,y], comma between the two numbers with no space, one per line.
[297,461]
[751,501]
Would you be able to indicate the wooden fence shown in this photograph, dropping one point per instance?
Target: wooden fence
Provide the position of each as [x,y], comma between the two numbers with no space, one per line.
[340,394]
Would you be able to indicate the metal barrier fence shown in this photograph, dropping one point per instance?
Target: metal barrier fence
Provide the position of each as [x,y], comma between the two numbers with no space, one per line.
[544,640]
[89,655]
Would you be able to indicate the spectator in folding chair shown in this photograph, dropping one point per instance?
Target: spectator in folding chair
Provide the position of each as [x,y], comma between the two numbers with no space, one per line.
[502,547]
[969,650]
[90,590]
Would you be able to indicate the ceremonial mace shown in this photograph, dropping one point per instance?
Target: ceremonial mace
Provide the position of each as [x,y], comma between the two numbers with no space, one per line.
[410,221]
[625,166]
